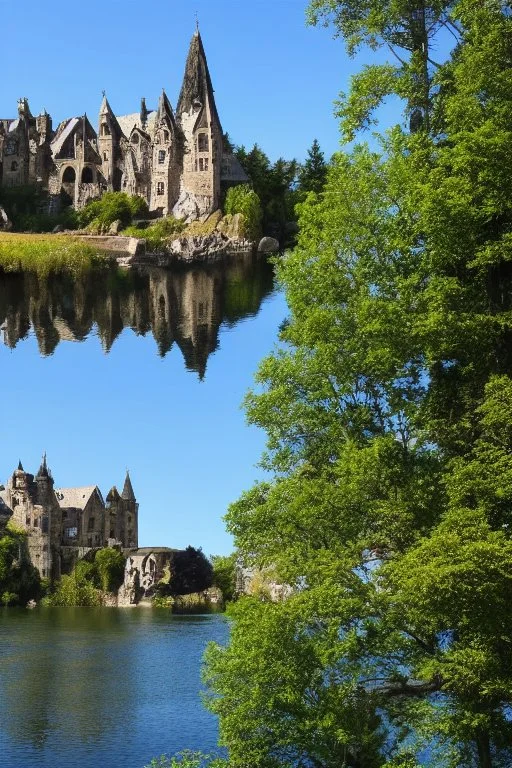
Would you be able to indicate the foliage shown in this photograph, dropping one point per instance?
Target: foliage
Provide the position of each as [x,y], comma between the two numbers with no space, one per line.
[156,234]
[313,173]
[99,215]
[87,581]
[242,199]
[224,574]
[187,759]
[387,408]
[109,564]
[190,572]
[19,580]
[44,254]
[27,208]
[273,183]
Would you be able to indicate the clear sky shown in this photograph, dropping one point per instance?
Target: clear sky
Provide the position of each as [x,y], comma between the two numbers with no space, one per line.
[184,440]
[275,79]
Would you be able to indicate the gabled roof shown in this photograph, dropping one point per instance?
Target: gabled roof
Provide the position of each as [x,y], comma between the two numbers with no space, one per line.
[128,122]
[164,111]
[76,497]
[63,131]
[197,84]
[106,110]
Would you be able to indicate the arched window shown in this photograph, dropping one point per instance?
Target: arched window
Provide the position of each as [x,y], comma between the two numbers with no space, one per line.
[160,188]
[14,165]
[161,156]
[87,175]
[105,130]
[202,142]
[135,138]
[69,175]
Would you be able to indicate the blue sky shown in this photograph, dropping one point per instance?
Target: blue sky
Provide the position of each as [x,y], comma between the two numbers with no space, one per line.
[185,441]
[275,79]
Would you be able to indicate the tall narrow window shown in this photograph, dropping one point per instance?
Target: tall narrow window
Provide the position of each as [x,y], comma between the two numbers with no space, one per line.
[161,156]
[14,165]
[201,164]
[202,142]
[160,188]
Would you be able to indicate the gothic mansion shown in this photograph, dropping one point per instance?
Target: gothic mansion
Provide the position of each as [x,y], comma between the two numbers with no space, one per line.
[177,162]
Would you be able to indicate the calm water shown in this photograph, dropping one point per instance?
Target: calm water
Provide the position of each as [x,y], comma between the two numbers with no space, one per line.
[183,306]
[107,688]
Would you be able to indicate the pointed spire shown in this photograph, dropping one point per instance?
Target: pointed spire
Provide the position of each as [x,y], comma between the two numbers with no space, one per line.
[43,469]
[143,113]
[128,494]
[20,466]
[197,85]
[164,112]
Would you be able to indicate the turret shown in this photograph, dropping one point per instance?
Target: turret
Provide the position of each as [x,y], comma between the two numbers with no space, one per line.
[109,134]
[143,114]
[129,523]
[165,176]
[199,120]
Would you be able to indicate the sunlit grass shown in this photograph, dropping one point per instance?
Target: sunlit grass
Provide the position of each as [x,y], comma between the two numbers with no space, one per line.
[44,254]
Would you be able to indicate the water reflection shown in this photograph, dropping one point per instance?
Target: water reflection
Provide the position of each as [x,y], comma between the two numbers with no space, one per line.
[182,306]
[106,687]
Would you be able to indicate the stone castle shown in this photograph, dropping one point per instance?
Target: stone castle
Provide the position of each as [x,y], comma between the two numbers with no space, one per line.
[63,524]
[177,162]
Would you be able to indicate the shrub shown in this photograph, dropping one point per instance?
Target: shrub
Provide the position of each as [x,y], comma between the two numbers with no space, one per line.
[224,571]
[99,215]
[242,199]
[156,234]
[109,564]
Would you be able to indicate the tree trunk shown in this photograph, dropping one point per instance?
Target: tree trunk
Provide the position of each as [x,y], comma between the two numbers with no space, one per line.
[483,746]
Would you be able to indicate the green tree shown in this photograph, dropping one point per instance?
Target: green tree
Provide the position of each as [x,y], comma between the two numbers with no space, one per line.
[109,564]
[387,409]
[313,173]
[244,200]
[224,574]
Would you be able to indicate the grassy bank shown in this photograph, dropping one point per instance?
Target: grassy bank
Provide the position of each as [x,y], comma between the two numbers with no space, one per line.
[44,254]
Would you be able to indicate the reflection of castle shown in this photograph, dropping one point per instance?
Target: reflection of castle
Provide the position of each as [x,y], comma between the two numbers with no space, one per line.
[173,161]
[63,523]
[186,306]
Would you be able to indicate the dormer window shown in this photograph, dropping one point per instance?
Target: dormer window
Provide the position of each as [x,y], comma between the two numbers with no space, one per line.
[161,156]
[166,135]
[202,142]
[14,165]
[196,105]
[105,130]
[135,138]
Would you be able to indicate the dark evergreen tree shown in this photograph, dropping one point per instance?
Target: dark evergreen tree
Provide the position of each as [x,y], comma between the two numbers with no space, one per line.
[313,174]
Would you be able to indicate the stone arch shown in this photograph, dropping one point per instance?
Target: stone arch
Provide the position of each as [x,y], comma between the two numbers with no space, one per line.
[87,175]
[69,175]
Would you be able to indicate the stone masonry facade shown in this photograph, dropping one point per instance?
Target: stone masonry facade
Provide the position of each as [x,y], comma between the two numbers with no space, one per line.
[176,161]
[63,524]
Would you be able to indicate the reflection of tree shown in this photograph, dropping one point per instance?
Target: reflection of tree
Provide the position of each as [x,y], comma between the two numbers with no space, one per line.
[185,305]
[64,679]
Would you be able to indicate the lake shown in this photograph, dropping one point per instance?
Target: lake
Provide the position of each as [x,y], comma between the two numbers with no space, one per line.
[102,687]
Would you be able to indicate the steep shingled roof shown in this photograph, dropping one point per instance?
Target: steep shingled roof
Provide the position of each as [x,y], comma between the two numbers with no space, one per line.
[128,494]
[197,82]
[76,497]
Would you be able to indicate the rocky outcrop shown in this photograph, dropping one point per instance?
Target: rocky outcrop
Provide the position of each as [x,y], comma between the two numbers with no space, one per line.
[268,245]
[5,222]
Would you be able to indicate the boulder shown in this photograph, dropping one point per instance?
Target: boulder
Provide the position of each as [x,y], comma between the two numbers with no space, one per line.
[268,245]
[5,222]
[115,227]
[186,208]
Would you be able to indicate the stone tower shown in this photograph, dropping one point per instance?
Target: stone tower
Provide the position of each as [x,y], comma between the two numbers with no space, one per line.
[51,517]
[199,121]
[109,136]
[166,162]
[121,519]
